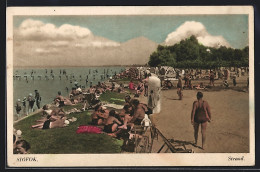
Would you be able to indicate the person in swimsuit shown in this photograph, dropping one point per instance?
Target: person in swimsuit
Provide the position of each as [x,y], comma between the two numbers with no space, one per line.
[139,112]
[146,81]
[211,78]
[31,101]
[111,123]
[38,99]
[97,116]
[18,107]
[24,106]
[200,115]
[126,115]
[51,121]
[179,88]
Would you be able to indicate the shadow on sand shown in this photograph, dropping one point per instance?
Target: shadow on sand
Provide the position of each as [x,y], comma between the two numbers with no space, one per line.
[181,142]
[172,99]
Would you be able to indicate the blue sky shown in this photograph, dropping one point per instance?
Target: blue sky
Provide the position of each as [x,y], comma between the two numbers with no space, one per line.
[234,28]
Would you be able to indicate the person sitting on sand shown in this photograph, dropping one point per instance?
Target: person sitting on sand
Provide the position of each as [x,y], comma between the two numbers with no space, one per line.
[46,111]
[120,89]
[113,86]
[126,115]
[73,92]
[139,112]
[200,115]
[127,99]
[96,116]
[61,101]
[111,123]
[167,84]
[131,85]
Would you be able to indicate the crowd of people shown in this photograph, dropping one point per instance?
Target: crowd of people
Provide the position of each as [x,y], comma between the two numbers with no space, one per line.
[26,106]
[116,120]
[133,112]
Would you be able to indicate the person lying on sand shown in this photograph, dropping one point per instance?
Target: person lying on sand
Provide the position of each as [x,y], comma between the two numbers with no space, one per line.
[51,122]
[200,86]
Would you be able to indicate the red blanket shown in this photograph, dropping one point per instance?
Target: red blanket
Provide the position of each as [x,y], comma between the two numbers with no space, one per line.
[88,129]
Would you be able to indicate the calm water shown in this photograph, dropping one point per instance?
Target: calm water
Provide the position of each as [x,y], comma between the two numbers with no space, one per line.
[48,87]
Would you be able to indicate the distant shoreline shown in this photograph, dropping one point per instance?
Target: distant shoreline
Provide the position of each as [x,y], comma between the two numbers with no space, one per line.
[43,67]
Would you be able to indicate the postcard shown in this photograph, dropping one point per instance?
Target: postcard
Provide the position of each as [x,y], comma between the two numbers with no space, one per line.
[127,86]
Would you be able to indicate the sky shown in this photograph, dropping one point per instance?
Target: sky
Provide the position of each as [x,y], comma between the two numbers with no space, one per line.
[232,30]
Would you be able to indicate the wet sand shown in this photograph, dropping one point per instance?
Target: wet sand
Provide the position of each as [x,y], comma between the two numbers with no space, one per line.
[227,132]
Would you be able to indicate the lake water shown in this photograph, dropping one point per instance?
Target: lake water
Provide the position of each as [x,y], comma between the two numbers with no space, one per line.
[48,87]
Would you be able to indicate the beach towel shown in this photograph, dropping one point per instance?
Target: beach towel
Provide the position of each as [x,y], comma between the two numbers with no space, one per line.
[88,129]
[114,106]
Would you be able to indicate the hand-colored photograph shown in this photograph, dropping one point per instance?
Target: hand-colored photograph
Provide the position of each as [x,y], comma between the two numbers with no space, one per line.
[130,84]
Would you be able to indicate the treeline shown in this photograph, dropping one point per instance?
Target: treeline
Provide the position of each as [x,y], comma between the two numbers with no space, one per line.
[190,53]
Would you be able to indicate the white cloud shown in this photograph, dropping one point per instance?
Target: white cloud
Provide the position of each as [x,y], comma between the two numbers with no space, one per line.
[37,30]
[65,35]
[197,29]
[44,44]
[98,44]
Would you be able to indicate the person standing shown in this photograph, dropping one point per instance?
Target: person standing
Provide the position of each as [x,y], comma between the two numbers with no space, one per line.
[24,106]
[146,83]
[200,115]
[31,101]
[18,108]
[234,81]
[179,87]
[211,78]
[37,98]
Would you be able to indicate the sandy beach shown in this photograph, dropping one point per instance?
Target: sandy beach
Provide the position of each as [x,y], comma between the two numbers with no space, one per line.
[228,132]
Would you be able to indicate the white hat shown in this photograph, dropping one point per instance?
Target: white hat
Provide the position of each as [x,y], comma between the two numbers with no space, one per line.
[18,100]
[30,94]
[66,122]
[19,133]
